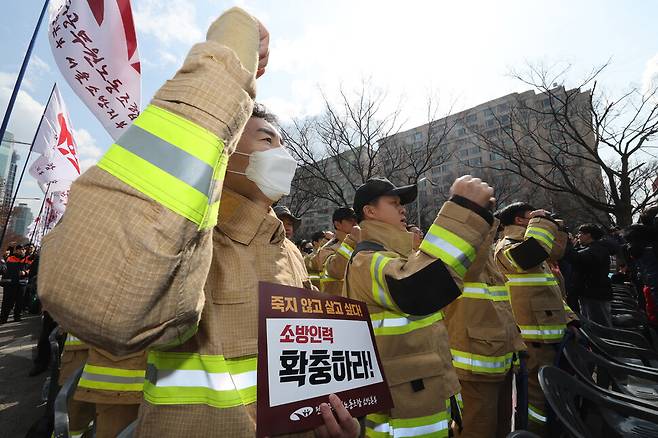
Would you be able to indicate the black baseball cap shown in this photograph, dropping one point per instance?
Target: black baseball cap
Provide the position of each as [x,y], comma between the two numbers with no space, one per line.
[376,187]
[342,213]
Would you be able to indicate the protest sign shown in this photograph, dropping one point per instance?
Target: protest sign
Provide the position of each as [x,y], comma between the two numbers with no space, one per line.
[309,346]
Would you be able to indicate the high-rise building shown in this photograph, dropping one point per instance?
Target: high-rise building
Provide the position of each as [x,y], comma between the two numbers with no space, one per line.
[6,151]
[21,218]
[468,155]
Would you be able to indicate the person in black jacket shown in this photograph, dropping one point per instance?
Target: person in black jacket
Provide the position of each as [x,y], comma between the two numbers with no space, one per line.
[13,289]
[590,260]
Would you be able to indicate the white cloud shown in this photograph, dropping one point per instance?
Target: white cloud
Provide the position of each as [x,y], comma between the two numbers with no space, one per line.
[27,110]
[650,75]
[169,58]
[39,65]
[168,21]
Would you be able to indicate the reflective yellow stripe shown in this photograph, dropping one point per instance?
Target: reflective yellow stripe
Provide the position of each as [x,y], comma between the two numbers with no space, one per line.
[483,291]
[379,288]
[191,378]
[542,235]
[567,308]
[449,248]
[391,323]
[383,426]
[479,363]
[509,257]
[345,250]
[542,332]
[111,379]
[172,161]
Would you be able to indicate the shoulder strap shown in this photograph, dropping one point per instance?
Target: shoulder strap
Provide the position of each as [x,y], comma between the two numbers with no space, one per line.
[366,245]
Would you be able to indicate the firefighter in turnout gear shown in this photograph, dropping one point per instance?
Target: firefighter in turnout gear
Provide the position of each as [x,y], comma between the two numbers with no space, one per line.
[405,291]
[530,239]
[162,267]
[337,252]
[483,341]
[314,268]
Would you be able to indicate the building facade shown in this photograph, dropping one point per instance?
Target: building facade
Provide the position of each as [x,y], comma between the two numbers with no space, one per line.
[467,149]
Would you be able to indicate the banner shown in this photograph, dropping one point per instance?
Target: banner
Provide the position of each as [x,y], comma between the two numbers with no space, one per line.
[59,164]
[95,47]
[311,345]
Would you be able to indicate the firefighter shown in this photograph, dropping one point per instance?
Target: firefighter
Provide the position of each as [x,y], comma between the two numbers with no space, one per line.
[81,414]
[113,385]
[405,291]
[290,222]
[484,339]
[318,240]
[530,239]
[333,256]
[162,266]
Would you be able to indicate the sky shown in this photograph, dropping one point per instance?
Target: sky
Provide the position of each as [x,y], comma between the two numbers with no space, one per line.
[463,52]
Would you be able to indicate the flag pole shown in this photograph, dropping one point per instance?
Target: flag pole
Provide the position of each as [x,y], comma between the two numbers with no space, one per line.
[45,196]
[27,159]
[21,73]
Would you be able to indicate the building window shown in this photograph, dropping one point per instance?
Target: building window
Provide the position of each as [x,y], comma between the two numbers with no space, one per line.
[489,112]
[494,156]
[471,118]
[418,136]
[463,152]
[491,123]
[503,108]
[461,131]
[474,150]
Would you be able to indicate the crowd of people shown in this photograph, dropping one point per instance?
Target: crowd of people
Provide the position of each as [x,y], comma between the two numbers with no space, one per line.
[161,306]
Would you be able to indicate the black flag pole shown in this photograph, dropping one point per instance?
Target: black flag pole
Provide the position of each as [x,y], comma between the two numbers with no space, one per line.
[27,159]
[36,225]
[21,73]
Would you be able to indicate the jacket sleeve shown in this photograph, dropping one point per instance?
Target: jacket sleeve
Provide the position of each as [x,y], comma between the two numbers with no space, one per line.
[315,262]
[336,263]
[542,241]
[126,266]
[431,278]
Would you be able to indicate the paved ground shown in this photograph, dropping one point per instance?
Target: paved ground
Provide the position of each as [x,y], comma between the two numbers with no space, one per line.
[20,396]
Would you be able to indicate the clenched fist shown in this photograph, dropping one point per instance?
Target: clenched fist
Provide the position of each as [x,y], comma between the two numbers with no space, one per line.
[473,189]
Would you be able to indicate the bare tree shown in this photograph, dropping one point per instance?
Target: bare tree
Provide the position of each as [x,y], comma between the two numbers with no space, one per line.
[357,139]
[586,145]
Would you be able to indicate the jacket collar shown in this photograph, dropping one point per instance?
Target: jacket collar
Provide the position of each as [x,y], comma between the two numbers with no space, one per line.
[243,220]
[514,232]
[390,237]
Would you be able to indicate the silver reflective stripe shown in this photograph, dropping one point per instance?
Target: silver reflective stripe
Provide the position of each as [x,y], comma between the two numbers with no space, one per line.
[200,378]
[536,415]
[542,332]
[476,290]
[380,290]
[169,158]
[397,322]
[481,363]
[420,430]
[530,279]
[449,248]
[345,251]
[540,232]
[110,379]
[381,428]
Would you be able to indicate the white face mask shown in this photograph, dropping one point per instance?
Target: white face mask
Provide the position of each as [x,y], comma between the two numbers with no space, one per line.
[271,170]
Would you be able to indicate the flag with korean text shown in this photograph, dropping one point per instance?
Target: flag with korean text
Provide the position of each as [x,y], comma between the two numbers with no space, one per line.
[95,47]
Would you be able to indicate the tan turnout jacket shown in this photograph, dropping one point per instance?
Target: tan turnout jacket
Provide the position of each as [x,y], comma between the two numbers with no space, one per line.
[481,328]
[414,348]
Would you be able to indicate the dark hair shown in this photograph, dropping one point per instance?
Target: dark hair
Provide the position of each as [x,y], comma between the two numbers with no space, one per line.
[359,214]
[592,229]
[343,213]
[317,236]
[260,111]
[648,216]
[506,215]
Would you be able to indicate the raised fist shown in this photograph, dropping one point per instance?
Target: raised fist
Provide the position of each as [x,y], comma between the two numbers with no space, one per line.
[328,235]
[473,189]
[263,49]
